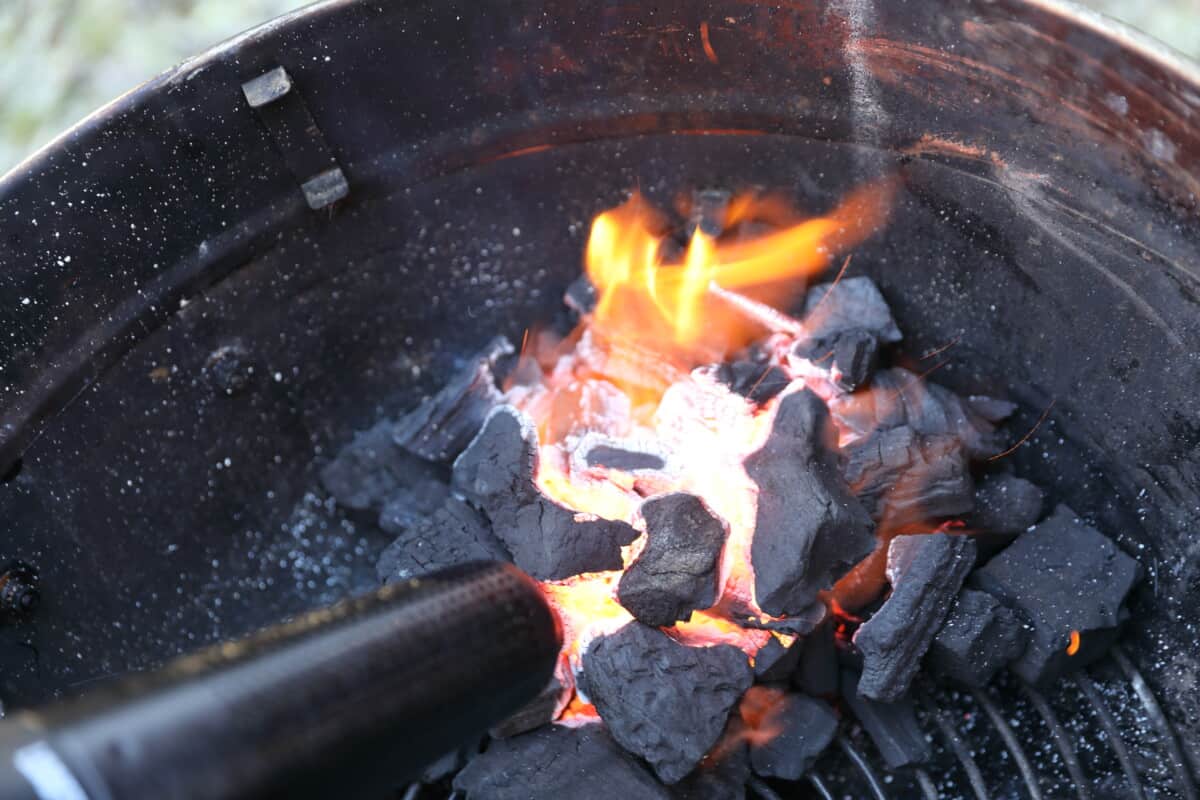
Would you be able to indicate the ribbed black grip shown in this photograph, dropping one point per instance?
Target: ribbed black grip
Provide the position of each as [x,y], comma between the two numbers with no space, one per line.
[335,703]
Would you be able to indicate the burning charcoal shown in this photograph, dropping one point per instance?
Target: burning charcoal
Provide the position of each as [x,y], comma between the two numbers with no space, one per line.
[625,460]
[708,211]
[677,572]
[582,763]
[662,700]
[547,540]
[798,729]
[903,478]
[723,779]
[775,662]
[852,304]
[818,670]
[850,356]
[444,424]
[799,624]
[809,530]
[926,573]
[1006,504]
[544,708]
[1067,581]
[754,381]
[371,468]
[893,727]
[978,638]
[454,534]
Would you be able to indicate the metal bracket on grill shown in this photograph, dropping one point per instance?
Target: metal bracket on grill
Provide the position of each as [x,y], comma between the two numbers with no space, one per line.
[282,109]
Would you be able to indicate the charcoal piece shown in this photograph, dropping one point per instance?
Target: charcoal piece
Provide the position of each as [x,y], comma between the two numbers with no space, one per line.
[979,637]
[893,727]
[444,424]
[663,701]
[603,455]
[547,540]
[544,708]
[678,570]
[926,573]
[580,296]
[904,478]
[1062,575]
[1006,504]
[371,468]
[708,211]
[852,304]
[991,408]
[406,507]
[849,356]
[722,774]
[775,662]
[555,761]
[454,534]
[818,672]
[809,530]
[755,381]
[803,727]
[799,624]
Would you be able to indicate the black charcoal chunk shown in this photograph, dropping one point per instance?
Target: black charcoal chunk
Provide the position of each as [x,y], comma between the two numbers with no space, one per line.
[775,662]
[723,772]
[372,468]
[454,534]
[817,674]
[1006,504]
[800,624]
[893,727]
[678,570]
[1063,575]
[803,727]
[544,708]
[852,304]
[554,761]
[926,573]
[903,478]
[547,540]
[850,356]
[809,530]
[708,211]
[580,296]
[663,701]
[443,425]
[407,506]
[979,638]
[605,455]
[753,380]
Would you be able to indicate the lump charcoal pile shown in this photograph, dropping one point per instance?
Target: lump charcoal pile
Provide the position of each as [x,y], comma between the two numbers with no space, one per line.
[955,570]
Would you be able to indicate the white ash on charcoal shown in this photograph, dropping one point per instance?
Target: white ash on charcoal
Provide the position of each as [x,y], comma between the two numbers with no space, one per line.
[809,529]
[678,570]
[541,710]
[892,727]
[555,761]
[371,468]
[818,671]
[443,425]
[753,380]
[547,540]
[1068,582]
[926,573]
[1005,506]
[663,701]
[904,478]
[979,638]
[453,534]
[797,729]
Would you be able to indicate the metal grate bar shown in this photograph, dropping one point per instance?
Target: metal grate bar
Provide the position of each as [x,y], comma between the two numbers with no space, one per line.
[860,761]
[928,788]
[1090,691]
[818,785]
[760,788]
[1183,774]
[1010,741]
[964,755]
[1061,741]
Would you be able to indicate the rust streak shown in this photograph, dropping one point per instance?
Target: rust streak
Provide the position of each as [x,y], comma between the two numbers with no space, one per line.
[1028,435]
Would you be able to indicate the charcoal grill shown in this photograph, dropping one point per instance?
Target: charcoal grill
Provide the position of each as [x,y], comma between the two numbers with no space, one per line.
[211,283]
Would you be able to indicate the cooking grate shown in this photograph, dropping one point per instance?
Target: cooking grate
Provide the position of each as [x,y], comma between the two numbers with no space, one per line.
[1099,734]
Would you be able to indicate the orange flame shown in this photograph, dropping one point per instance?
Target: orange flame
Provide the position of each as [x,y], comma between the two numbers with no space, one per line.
[1073,645]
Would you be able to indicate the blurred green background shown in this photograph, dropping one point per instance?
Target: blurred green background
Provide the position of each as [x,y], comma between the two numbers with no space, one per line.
[61,59]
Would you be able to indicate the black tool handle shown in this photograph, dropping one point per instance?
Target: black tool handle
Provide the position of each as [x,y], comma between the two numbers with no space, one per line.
[341,702]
